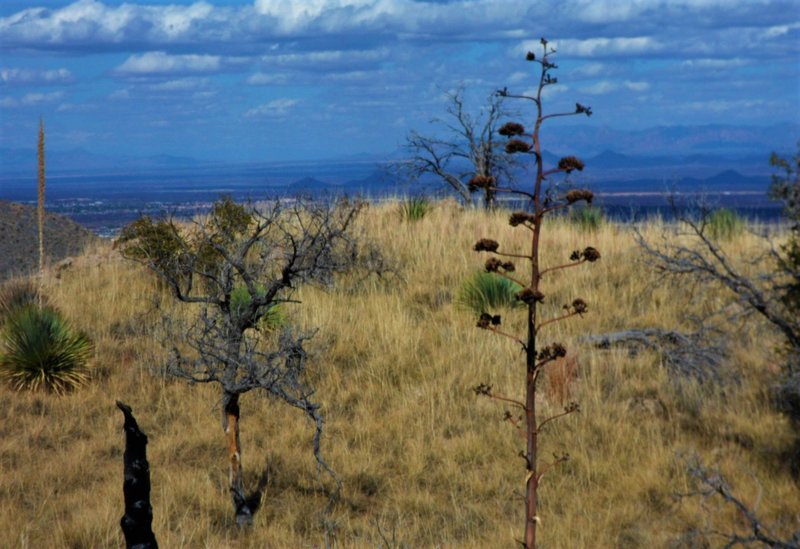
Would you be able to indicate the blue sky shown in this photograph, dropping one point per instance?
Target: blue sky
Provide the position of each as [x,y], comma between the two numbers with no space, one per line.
[285,80]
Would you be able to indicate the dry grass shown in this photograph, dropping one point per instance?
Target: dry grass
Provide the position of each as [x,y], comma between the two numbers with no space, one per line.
[422,459]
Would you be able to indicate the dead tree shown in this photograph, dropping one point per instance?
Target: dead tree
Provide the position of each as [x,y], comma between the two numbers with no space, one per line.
[137,522]
[236,268]
[467,149]
[542,200]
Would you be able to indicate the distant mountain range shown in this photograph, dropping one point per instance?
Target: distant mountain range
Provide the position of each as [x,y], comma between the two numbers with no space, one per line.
[700,151]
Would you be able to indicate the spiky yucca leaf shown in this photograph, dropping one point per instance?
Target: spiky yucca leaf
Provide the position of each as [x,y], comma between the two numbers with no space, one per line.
[40,351]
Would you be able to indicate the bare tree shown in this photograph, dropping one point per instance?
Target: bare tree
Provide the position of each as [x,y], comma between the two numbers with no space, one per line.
[236,268]
[710,483]
[542,201]
[467,149]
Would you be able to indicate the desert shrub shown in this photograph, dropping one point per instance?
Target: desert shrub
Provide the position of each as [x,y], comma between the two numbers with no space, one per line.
[16,295]
[588,218]
[724,224]
[486,291]
[39,350]
[415,208]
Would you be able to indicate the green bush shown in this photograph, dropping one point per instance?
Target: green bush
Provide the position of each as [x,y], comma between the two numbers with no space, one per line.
[274,317]
[724,224]
[588,218]
[484,292]
[40,351]
[415,208]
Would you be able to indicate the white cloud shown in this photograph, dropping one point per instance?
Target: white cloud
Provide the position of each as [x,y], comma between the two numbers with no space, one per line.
[601,87]
[705,63]
[263,79]
[636,86]
[180,84]
[34,76]
[31,99]
[780,30]
[593,47]
[159,62]
[277,108]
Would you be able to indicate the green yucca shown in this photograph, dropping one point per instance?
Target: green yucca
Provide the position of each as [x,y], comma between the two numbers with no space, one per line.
[40,351]
[16,295]
[415,208]
[588,218]
[724,224]
[274,316]
[484,292]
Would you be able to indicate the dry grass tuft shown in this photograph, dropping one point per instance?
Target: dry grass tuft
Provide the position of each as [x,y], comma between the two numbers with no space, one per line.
[394,367]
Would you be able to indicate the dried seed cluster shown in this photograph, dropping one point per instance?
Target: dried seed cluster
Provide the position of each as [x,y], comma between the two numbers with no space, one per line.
[486,245]
[576,195]
[517,146]
[518,218]
[511,128]
[569,163]
[529,296]
[486,320]
[493,265]
[556,350]
[588,254]
[482,182]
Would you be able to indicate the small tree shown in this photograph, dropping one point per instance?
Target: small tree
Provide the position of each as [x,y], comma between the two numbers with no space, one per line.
[269,252]
[541,203]
[469,151]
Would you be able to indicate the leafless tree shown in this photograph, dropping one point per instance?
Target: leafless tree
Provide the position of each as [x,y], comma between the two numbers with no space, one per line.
[467,148]
[236,268]
[541,202]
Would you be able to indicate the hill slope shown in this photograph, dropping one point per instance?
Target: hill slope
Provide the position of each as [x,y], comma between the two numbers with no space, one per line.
[19,238]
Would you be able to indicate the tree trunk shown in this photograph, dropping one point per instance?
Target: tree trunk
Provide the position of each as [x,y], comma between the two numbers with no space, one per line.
[243,506]
[137,521]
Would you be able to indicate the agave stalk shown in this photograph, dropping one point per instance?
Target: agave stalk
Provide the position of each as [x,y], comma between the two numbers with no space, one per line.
[537,355]
[40,206]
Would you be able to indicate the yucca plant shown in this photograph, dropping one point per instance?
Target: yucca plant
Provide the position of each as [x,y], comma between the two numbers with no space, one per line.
[486,291]
[724,224]
[39,350]
[273,316]
[588,218]
[16,295]
[415,208]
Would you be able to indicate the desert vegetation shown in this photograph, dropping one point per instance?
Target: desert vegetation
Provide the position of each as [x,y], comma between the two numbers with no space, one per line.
[393,362]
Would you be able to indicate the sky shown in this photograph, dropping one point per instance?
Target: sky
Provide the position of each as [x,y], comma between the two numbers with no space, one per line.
[272,80]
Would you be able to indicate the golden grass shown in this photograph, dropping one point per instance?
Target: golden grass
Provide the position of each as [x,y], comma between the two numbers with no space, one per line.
[423,460]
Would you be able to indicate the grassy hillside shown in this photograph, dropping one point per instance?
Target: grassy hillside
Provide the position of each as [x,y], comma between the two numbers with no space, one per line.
[424,462]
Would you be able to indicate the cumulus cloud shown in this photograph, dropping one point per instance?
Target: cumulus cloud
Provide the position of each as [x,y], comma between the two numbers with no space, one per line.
[277,108]
[16,76]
